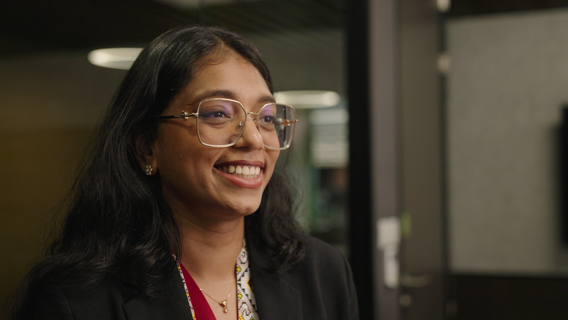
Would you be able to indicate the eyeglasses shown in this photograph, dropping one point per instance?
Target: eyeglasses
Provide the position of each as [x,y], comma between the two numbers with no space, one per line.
[221,122]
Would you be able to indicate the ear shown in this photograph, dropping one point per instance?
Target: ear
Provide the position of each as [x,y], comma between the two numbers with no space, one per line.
[144,152]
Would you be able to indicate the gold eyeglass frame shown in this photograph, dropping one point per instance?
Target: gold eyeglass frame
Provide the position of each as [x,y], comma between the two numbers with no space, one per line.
[184,115]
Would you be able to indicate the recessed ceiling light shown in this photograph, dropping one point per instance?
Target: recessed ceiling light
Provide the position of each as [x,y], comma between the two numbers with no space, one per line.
[194,4]
[115,58]
[308,99]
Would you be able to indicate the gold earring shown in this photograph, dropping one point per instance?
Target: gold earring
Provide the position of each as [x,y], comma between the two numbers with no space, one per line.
[148,170]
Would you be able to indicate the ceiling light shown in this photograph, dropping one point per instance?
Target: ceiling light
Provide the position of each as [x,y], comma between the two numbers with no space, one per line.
[443,5]
[308,99]
[195,4]
[116,58]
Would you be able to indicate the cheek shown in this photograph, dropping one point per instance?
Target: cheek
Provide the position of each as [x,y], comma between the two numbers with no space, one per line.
[187,176]
[180,155]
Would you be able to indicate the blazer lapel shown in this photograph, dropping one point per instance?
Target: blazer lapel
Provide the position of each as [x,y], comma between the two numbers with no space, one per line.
[170,303]
[276,298]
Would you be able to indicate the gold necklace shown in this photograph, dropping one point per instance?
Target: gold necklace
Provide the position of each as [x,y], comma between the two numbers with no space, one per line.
[223,303]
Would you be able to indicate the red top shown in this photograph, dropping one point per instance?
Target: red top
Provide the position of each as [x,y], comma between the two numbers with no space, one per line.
[200,305]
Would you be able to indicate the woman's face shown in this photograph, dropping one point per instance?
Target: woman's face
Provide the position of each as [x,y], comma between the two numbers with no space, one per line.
[193,179]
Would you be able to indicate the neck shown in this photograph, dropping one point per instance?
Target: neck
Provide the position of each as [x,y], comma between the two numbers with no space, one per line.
[209,252]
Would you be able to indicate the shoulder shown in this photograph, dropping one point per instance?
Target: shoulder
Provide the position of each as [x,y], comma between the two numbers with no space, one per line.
[326,263]
[319,260]
[325,276]
[320,252]
[79,299]
[319,287]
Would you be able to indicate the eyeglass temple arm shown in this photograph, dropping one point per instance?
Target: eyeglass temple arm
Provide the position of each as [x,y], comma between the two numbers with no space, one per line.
[183,115]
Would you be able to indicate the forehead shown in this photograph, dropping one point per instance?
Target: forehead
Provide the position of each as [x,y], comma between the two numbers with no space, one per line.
[231,75]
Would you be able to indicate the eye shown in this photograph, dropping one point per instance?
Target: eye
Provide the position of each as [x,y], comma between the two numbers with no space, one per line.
[214,114]
[267,119]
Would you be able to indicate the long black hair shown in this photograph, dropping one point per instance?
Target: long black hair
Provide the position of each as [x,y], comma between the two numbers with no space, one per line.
[118,222]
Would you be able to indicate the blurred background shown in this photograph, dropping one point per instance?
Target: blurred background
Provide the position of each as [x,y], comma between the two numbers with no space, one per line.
[437,166]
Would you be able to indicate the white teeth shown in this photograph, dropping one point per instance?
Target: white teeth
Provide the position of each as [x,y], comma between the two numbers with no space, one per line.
[247,172]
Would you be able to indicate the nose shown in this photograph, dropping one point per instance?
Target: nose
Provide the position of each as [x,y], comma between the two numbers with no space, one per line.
[251,137]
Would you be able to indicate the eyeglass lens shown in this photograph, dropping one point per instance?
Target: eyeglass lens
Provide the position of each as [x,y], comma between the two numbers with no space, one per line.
[221,122]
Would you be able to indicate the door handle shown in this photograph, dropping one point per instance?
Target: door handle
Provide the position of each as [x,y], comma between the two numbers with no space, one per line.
[410,281]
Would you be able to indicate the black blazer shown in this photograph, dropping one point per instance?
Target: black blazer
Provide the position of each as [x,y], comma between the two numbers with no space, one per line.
[319,288]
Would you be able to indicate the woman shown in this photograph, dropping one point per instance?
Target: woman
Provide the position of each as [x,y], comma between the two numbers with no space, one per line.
[181,211]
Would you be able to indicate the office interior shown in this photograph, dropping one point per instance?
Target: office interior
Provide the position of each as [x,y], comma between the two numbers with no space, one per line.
[438,169]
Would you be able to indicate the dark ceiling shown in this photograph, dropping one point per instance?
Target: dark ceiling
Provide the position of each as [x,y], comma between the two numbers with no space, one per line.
[43,25]
[28,26]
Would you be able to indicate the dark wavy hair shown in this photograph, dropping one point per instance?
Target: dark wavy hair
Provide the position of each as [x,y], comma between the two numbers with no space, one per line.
[118,221]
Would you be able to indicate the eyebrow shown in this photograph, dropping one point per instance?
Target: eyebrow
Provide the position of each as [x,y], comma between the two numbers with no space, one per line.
[229,95]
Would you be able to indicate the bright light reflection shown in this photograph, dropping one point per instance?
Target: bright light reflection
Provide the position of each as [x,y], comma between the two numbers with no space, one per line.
[115,58]
[308,99]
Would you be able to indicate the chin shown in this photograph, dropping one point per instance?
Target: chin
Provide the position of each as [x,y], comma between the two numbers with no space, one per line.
[246,209]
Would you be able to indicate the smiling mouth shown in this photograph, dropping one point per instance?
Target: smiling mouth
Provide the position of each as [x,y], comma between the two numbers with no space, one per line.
[245,172]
